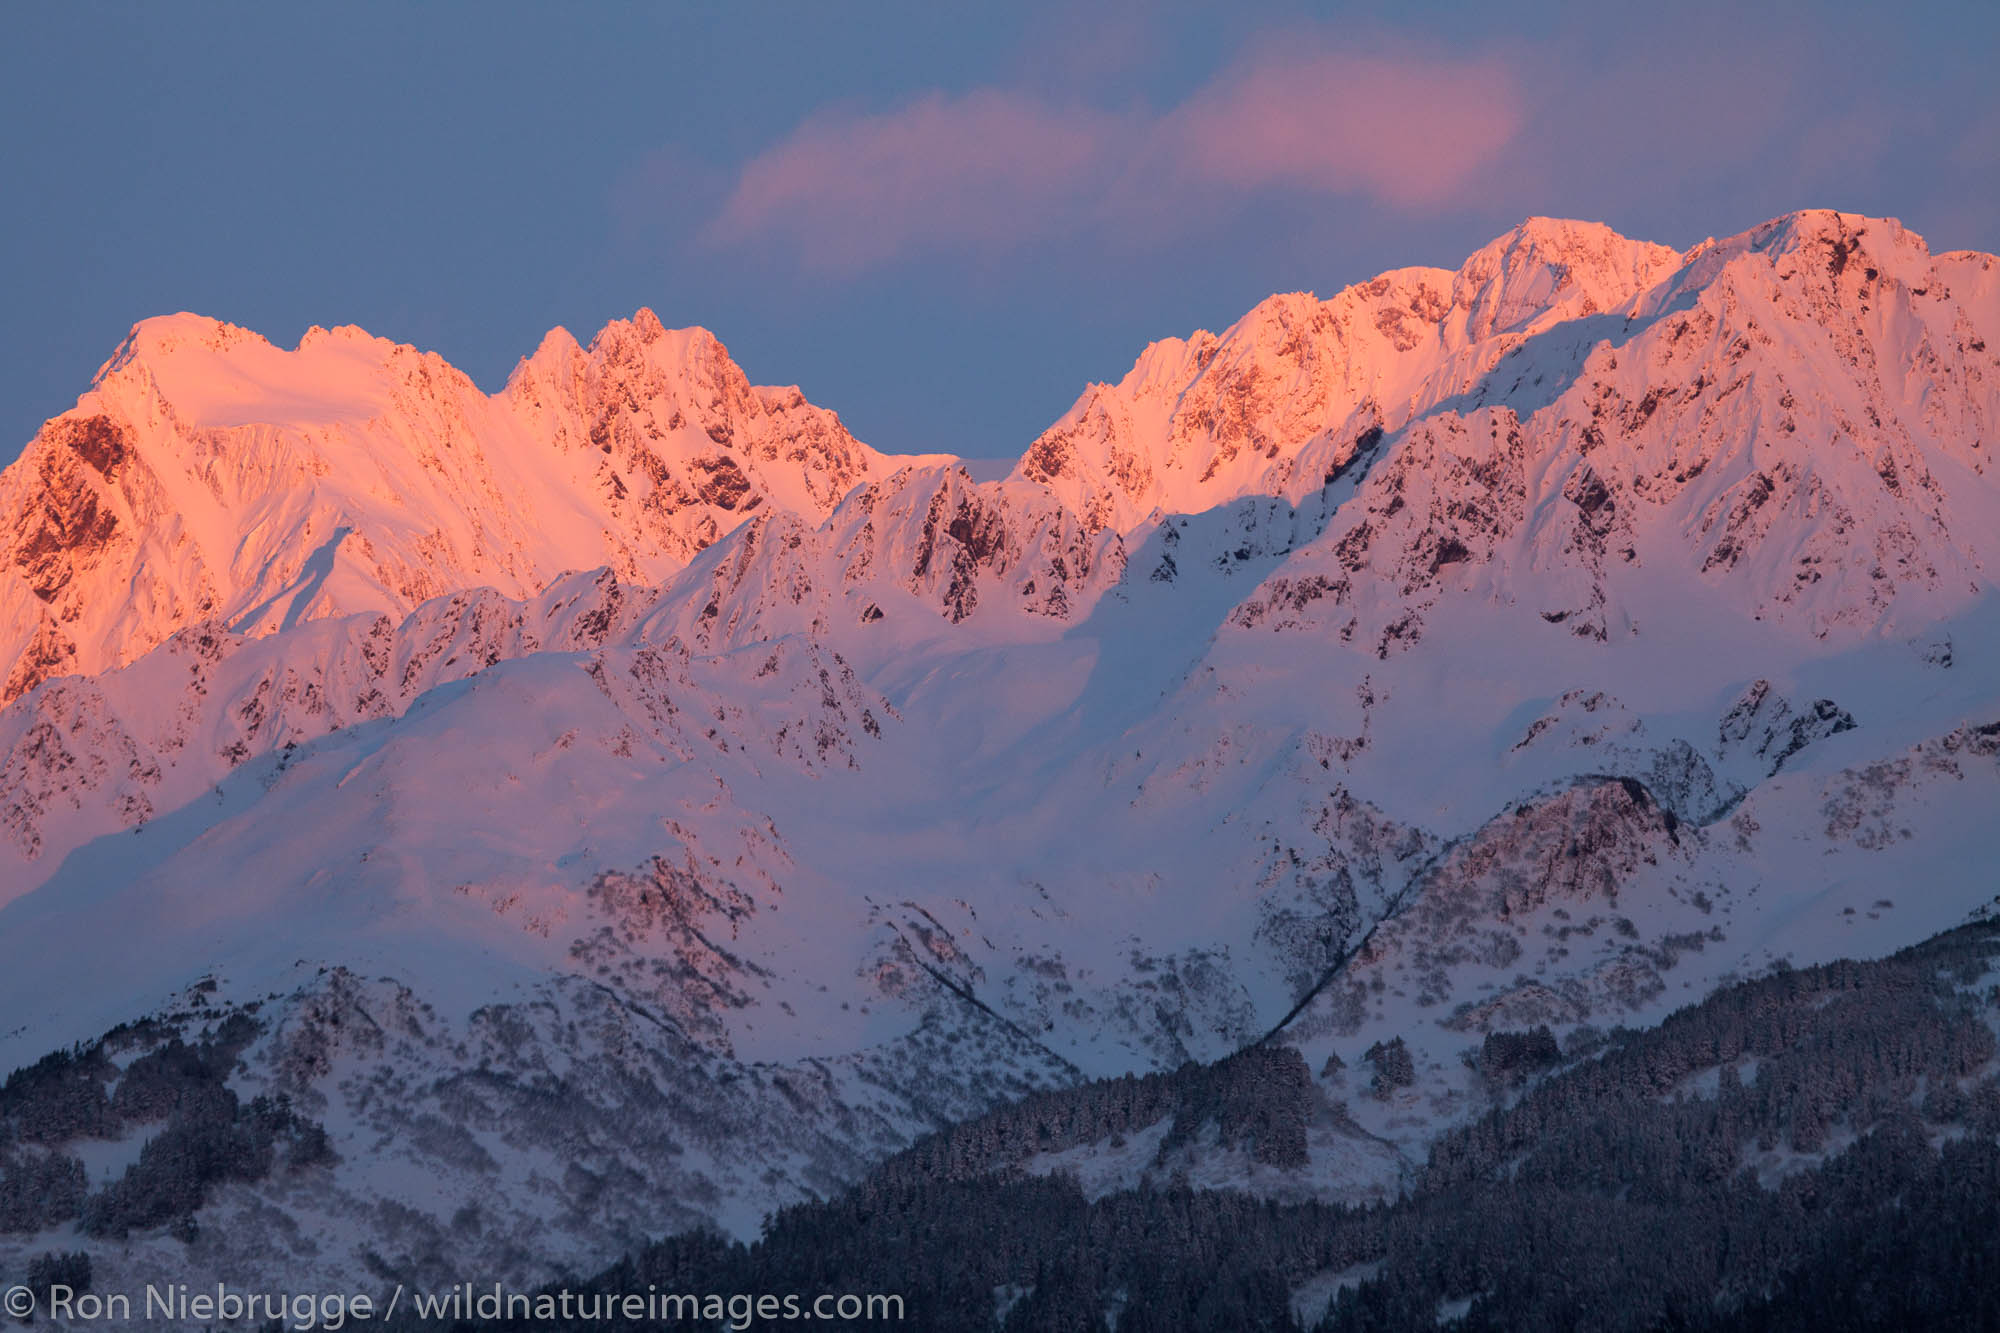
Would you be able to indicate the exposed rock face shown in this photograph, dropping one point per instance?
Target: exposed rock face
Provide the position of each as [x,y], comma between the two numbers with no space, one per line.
[927,542]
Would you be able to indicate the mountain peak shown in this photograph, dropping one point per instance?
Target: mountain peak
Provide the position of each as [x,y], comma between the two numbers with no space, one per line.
[1562,234]
[648,324]
[1555,268]
[183,336]
[558,347]
[1806,224]
[1823,236]
[184,331]
[207,373]
[645,329]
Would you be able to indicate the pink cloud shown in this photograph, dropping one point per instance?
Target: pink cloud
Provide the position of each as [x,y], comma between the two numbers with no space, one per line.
[1409,131]
[982,171]
[997,168]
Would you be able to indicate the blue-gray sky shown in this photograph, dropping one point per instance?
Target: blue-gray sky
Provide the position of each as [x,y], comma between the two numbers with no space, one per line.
[940,220]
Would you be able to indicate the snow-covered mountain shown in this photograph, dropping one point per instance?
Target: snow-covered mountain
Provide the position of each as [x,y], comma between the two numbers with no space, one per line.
[1543,642]
[211,475]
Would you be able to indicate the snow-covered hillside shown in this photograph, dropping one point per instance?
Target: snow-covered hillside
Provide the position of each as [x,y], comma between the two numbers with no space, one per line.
[1544,642]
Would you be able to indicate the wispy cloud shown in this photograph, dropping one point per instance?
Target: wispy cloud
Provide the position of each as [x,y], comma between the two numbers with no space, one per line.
[984,170]
[1000,168]
[1406,130]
